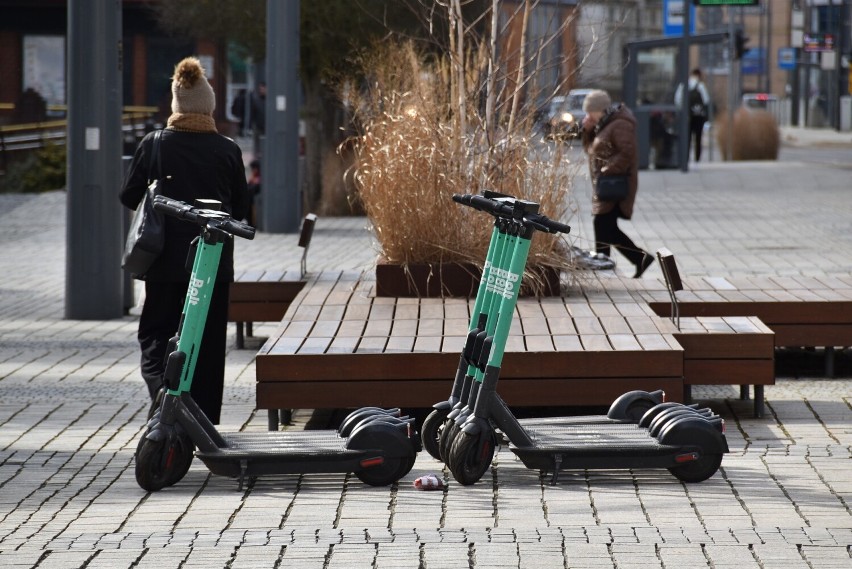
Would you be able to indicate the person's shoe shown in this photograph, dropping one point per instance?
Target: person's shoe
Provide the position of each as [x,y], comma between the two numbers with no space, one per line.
[647,261]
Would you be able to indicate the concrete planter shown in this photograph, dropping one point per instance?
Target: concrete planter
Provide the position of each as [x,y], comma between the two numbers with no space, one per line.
[433,280]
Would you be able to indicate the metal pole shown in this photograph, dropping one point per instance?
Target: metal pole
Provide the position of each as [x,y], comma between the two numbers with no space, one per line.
[840,43]
[767,53]
[93,278]
[731,86]
[282,197]
[683,130]
[711,112]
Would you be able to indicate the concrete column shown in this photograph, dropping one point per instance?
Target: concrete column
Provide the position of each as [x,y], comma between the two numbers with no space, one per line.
[282,196]
[93,282]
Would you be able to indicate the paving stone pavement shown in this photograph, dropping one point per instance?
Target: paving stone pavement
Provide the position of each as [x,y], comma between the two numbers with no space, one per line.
[72,408]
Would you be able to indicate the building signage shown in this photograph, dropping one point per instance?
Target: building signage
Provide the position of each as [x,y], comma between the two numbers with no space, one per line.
[787,58]
[673,17]
[814,42]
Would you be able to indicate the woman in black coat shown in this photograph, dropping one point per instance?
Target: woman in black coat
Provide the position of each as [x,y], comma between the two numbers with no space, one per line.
[195,162]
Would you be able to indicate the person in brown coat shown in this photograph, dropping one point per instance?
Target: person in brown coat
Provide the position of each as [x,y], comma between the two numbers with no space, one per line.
[609,138]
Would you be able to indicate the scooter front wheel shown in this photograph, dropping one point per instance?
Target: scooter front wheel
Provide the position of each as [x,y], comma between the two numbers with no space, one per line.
[430,432]
[471,456]
[447,438]
[162,463]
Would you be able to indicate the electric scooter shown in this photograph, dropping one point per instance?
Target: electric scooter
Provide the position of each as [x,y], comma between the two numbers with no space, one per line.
[436,429]
[377,446]
[687,441]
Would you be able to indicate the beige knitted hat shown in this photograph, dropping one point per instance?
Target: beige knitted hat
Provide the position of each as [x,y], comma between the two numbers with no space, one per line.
[191,92]
[596,101]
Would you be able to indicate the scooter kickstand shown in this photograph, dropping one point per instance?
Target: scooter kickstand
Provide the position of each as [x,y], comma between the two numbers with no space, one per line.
[557,462]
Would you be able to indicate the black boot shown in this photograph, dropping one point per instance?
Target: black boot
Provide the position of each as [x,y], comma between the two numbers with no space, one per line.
[647,261]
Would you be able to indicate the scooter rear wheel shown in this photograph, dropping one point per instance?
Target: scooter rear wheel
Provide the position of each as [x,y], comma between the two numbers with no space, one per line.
[698,470]
[668,415]
[651,414]
[391,470]
[701,436]
[471,456]
[359,416]
[434,424]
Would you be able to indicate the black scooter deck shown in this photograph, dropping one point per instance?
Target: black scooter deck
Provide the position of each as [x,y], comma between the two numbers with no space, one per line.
[288,452]
[606,448]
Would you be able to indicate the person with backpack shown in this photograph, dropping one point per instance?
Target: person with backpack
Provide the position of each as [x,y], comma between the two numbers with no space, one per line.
[699,104]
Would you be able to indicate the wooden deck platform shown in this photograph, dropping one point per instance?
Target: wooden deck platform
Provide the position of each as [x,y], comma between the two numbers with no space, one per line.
[261,296]
[801,311]
[339,345]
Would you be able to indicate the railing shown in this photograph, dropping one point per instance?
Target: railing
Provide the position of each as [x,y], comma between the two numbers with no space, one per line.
[33,136]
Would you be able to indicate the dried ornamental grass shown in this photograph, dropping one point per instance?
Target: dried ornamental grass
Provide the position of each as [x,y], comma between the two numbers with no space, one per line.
[411,158]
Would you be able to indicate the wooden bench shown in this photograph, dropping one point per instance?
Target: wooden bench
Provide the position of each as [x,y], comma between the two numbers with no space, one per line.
[341,346]
[265,295]
[801,311]
[720,350]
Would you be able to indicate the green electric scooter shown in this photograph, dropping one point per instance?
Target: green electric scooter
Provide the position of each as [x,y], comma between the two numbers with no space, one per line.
[377,446]
[687,441]
[439,426]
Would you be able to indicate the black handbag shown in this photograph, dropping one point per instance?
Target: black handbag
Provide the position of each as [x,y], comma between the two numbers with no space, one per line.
[613,188]
[147,232]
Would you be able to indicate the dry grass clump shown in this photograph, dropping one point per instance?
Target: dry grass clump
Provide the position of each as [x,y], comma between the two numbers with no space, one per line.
[416,149]
[755,136]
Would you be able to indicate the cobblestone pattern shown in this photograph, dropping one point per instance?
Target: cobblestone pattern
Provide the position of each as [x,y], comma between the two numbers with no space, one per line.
[72,408]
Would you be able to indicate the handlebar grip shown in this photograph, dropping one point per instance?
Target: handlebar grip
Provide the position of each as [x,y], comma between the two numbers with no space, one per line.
[467,199]
[491,206]
[171,207]
[238,228]
[549,225]
[560,227]
[557,227]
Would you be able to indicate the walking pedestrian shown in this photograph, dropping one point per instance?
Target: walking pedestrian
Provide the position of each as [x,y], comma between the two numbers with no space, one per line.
[609,138]
[699,105]
[195,162]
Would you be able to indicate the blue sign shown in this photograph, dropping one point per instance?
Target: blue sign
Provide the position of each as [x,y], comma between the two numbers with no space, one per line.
[673,17]
[787,58]
[753,61]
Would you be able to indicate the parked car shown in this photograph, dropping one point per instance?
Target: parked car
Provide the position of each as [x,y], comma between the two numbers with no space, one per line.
[564,117]
[761,101]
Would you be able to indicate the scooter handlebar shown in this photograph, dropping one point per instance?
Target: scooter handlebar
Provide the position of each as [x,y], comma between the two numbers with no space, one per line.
[504,209]
[203,217]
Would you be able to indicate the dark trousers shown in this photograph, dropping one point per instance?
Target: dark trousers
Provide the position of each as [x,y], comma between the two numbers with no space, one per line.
[608,234]
[159,322]
[696,131]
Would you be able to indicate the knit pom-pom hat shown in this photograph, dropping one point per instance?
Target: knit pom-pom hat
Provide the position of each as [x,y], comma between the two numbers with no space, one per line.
[191,92]
[596,101]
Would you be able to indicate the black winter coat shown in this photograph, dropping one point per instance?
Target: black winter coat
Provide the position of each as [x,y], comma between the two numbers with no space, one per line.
[197,165]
